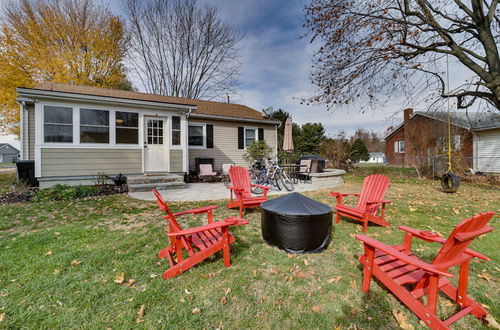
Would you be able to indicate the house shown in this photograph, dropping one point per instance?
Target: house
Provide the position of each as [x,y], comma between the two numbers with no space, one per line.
[8,154]
[423,136]
[375,158]
[74,133]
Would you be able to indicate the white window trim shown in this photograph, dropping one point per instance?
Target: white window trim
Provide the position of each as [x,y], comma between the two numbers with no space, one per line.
[110,119]
[399,149]
[73,124]
[171,130]
[256,129]
[204,126]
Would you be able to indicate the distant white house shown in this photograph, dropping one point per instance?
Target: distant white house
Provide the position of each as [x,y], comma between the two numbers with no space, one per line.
[375,158]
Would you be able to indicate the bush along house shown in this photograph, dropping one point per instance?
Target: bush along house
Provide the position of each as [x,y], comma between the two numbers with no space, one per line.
[75,133]
[421,141]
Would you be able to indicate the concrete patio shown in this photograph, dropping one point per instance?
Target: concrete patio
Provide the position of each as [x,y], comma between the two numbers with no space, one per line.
[209,191]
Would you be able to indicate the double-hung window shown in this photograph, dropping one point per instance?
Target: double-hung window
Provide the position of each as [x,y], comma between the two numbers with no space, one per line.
[401,147]
[58,124]
[196,135]
[94,126]
[127,127]
[250,136]
[176,130]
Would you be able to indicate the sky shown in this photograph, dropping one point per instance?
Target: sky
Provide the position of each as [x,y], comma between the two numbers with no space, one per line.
[276,64]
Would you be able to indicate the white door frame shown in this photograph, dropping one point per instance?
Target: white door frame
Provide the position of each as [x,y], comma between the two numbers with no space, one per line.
[152,147]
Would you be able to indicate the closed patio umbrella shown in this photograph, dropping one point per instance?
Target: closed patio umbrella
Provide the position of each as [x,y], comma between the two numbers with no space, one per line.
[287,136]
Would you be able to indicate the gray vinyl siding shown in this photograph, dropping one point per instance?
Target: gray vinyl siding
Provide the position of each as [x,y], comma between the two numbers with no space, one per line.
[176,160]
[31,132]
[487,151]
[225,150]
[80,161]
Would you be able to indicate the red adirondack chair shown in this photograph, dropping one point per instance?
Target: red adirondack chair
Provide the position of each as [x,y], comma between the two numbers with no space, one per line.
[369,201]
[396,267]
[241,187]
[199,242]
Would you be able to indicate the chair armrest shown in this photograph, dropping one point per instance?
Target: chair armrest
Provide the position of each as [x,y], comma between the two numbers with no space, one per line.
[230,221]
[376,202]
[335,194]
[198,210]
[258,185]
[234,188]
[433,237]
[401,256]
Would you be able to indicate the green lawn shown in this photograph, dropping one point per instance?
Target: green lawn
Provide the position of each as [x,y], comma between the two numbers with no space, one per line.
[59,261]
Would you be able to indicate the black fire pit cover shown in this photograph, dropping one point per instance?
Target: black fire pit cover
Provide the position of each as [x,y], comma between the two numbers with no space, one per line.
[296,223]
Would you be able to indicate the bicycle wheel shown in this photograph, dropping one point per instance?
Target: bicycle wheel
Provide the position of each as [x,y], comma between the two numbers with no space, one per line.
[286,181]
[255,178]
[275,181]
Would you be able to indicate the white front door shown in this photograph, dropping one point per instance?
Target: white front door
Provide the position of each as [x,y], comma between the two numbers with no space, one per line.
[155,144]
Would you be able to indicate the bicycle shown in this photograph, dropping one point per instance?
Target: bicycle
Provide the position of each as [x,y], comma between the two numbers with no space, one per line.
[270,176]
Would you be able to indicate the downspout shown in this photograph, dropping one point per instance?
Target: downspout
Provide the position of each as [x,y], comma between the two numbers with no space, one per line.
[22,131]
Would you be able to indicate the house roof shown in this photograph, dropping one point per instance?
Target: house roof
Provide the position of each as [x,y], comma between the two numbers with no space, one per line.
[377,154]
[476,121]
[209,108]
[7,146]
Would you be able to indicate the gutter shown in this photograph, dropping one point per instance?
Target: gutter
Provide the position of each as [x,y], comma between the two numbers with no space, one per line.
[249,120]
[35,93]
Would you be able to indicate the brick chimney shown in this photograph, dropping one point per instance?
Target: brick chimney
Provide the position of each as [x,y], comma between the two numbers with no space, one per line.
[407,113]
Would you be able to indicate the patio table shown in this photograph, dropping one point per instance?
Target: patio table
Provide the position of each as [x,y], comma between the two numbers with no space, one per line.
[292,170]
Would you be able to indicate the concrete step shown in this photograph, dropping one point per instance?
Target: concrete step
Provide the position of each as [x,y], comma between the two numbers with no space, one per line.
[140,179]
[158,185]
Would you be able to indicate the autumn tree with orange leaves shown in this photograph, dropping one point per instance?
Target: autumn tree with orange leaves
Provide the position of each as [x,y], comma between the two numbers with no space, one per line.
[67,41]
[382,49]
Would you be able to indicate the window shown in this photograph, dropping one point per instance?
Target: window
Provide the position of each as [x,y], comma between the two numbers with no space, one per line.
[456,142]
[176,130]
[250,136]
[196,136]
[127,127]
[155,131]
[94,126]
[401,147]
[58,124]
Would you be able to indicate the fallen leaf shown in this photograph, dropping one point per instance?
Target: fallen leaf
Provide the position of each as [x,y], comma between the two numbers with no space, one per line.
[120,278]
[254,272]
[75,263]
[223,300]
[412,209]
[227,291]
[302,275]
[448,303]
[57,233]
[492,323]
[306,262]
[140,314]
[353,284]
[401,318]
[3,316]
[56,271]
[186,291]
[196,311]
[335,279]
[484,306]
[49,253]
[130,282]
[316,309]
[485,276]
[456,211]
[153,275]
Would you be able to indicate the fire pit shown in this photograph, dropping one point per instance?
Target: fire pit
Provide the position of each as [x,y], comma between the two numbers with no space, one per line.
[296,224]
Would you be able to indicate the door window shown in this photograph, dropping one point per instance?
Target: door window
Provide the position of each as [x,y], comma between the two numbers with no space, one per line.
[155,131]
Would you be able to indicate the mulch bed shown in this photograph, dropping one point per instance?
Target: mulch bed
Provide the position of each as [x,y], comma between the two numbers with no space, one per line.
[25,196]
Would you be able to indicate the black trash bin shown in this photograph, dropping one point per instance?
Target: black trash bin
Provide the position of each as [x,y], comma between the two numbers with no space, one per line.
[296,224]
[26,172]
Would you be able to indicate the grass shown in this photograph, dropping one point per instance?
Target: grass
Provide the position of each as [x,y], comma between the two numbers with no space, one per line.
[370,168]
[59,261]
[6,181]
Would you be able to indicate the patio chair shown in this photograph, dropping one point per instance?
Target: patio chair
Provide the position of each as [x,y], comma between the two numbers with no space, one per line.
[241,187]
[225,173]
[206,170]
[409,278]
[369,201]
[304,170]
[199,242]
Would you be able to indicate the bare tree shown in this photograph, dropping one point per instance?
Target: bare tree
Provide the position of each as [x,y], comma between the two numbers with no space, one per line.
[180,48]
[375,49]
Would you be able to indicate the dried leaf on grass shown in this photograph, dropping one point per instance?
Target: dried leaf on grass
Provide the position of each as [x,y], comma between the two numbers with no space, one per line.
[130,282]
[140,314]
[56,271]
[353,284]
[254,272]
[3,316]
[75,263]
[120,278]
[49,253]
[316,309]
[485,276]
[196,311]
[335,279]
[401,318]
[223,300]
[492,323]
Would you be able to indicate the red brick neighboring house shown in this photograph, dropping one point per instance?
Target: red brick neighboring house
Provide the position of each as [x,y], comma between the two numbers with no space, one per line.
[423,136]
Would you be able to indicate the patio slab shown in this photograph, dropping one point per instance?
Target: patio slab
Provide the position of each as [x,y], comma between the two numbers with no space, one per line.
[208,191]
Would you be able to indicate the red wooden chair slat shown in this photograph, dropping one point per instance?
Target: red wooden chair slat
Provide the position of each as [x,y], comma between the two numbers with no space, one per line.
[241,188]
[410,279]
[199,242]
[370,201]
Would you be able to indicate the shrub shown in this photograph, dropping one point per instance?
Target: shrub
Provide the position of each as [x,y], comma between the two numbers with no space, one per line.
[61,192]
[257,151]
